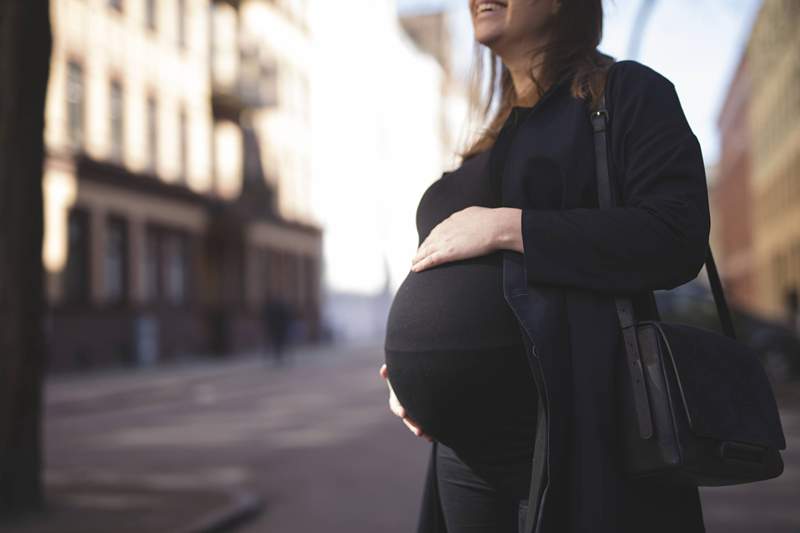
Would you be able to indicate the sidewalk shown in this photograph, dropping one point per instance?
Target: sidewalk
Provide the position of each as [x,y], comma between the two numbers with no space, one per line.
[176,448]
[74,507]
[304,447]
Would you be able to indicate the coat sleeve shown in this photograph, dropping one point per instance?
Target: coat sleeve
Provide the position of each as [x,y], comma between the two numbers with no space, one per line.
[658,236]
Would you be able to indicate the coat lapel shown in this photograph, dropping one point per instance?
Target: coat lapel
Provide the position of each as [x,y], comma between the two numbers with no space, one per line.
[540,311]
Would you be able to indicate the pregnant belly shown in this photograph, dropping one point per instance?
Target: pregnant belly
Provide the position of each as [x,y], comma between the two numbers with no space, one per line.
[456,359]
[459,304]
[479,402]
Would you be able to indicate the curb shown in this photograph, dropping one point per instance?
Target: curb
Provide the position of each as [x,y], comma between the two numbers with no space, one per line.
[243,507]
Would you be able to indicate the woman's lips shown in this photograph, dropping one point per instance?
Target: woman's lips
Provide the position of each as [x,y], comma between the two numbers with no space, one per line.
[498,7]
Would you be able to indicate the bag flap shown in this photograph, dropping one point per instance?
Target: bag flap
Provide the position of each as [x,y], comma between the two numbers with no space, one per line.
[724,388]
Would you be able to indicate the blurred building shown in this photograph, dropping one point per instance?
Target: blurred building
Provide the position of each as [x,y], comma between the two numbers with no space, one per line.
[383,130]
[280,30]
[731,197]
[773,59]
[712,177]
[430,31]
[172,210]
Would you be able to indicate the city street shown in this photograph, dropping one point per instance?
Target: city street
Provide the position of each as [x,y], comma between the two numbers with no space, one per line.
[187,183]
[314,440]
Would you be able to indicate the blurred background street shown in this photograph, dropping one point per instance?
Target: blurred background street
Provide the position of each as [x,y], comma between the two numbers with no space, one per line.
[194,295]
[314,440]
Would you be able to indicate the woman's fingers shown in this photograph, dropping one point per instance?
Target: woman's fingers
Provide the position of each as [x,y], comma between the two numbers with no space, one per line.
[398,409]
[415,429]
[394,404]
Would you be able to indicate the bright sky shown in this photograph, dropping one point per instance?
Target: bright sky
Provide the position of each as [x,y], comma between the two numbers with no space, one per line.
[694,43]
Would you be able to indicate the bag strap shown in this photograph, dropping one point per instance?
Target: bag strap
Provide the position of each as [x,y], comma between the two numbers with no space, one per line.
[719,296]
[607,199]
[627,318]
[624,305]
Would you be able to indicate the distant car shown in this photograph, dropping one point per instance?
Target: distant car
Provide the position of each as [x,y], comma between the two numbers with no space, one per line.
[777,344]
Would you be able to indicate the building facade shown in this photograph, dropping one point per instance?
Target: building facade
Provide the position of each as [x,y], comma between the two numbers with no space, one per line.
[164,230]
[773,56]
[731,197]
[431,33]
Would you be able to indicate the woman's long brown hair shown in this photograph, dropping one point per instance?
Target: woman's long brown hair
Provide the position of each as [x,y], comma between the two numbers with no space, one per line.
[571,51]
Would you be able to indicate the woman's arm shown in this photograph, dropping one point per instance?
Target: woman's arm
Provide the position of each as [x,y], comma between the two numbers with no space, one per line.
[658,238]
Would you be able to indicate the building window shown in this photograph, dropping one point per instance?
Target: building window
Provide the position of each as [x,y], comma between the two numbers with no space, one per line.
[183,146]
[150,14]
[75,108]
[181,23]
[152,134]
[152,265]
[176,259]
[115,4]
[116,260]
[76,272]
[116,117]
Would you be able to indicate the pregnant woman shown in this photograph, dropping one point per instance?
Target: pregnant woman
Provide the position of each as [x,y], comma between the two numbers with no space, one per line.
[457,363]
[502,342]
[456,359]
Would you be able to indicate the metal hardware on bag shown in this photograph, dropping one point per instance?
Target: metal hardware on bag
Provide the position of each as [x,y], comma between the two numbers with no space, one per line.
[599,125]
[600,112]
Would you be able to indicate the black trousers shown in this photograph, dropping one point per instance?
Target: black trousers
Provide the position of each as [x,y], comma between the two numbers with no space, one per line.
[474,502]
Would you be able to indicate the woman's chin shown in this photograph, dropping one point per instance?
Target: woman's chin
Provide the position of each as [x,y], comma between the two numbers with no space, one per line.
[488,35]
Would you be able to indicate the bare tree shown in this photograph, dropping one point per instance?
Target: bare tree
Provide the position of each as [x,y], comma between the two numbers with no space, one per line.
[25,43]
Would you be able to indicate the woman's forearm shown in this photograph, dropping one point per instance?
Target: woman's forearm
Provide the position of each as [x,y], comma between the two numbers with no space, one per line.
[508,229]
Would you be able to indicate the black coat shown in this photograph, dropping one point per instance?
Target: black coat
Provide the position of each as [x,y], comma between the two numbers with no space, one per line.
[576,257]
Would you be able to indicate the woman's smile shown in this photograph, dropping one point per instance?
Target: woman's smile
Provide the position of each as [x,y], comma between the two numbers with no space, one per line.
[512,28]
[488,8]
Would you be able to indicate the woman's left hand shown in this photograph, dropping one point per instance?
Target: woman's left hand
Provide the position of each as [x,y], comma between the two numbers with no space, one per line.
[470,232]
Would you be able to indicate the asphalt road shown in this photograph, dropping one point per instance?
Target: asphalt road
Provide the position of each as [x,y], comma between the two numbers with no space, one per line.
[315,440]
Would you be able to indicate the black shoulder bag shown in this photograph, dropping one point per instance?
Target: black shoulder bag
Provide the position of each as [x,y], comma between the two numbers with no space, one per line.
[696,406]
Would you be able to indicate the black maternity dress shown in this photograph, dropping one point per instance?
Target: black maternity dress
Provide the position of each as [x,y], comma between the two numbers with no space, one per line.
[454,350]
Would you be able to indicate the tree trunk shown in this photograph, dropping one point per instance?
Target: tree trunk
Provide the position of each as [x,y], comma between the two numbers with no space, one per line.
[25,42]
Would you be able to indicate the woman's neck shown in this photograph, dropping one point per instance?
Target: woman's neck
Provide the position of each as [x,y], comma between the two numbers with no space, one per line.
[519,66]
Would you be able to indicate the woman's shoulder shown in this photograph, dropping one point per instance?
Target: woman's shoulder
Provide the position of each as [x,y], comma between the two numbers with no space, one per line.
[629,77]
[639,93]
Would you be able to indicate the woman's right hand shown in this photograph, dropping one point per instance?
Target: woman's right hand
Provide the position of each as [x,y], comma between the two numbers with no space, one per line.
[397,409]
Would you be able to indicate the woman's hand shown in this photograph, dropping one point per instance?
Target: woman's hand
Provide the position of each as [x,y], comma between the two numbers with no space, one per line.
[397,409]
[470,232]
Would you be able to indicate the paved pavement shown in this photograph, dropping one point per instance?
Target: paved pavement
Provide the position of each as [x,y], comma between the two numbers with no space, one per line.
[314,440]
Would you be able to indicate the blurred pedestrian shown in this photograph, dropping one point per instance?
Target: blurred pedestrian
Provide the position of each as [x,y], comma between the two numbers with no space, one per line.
[793,309]
[277,315]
